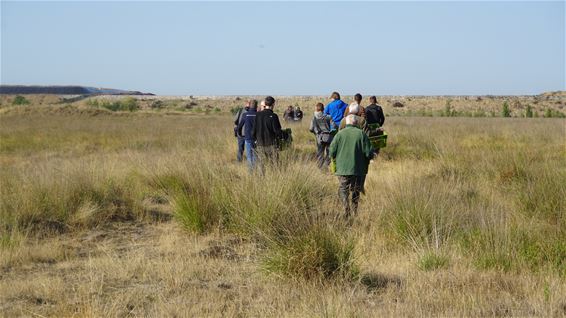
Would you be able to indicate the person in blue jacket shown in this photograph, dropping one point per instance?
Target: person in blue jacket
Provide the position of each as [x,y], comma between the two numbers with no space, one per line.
[248,123]
[335,108]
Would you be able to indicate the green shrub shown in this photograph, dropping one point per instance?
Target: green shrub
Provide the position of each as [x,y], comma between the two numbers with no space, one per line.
[505,111]
[157,104]
[235,110]
[20,100]
[93,102]
[432,261]
[529,112]
[127,104]
[448,110]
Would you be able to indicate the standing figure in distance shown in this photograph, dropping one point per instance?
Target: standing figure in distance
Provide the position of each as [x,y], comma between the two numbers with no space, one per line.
[267,133]
[289,114]
[248,123]
[298,114]
[237,119]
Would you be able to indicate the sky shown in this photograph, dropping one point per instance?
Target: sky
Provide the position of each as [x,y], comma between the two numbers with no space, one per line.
[287,48]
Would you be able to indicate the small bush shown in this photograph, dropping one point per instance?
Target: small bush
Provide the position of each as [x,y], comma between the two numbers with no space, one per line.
[93,102]
[321,253]
[127,104]
[529,112]
[235,110]
[156,104]
[20,100]
[432,261]
[505,111]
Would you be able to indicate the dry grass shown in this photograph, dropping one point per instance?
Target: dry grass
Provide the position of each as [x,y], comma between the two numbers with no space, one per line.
[462,217]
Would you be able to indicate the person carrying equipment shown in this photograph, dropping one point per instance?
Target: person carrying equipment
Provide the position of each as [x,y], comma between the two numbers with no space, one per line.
[351,151]
[374,122]
[324,128]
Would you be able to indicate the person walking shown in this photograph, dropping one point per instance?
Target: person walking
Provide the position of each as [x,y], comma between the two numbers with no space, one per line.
[298,114]
[241,140]
[248,123]
[352,151]
[353,109]
[335,108]
[374,113]
[267,133]
[361,110]
[323,128]
[374,120]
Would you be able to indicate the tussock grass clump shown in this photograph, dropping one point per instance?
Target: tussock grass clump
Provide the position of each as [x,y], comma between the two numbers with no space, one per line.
[432,261]
[59,204]
[321,253]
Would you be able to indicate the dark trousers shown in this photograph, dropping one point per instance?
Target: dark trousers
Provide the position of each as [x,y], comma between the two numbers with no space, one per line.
[241,147]
[267,155]
[353,184]
[322,156]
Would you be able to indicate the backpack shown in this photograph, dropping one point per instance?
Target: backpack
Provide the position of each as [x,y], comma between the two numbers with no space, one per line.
[324,136]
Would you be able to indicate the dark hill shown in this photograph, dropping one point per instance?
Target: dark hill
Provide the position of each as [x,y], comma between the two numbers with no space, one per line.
[63,90]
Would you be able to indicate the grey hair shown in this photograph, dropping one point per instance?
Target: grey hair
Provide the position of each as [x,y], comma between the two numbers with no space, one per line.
[354,108]
[351,120]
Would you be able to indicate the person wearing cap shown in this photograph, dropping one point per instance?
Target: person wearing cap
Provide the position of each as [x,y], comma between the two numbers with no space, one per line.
[335,108]
[351,150]
[248,123]
[267,133]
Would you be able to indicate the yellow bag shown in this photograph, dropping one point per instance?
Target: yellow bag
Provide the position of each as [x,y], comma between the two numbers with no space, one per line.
[332,165]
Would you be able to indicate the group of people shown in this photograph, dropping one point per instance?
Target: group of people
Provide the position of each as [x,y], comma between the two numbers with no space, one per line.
[341,132]
[293,114]
[258,132]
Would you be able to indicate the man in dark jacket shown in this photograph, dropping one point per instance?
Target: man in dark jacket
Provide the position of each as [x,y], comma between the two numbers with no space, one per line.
[248,123]
[352,152]
[267,133]
[237,119]
[374,113]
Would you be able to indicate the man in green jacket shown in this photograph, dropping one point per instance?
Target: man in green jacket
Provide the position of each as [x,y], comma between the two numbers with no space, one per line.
[352,152]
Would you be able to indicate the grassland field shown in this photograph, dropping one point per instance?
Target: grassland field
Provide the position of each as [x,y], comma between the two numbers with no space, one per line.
[147,213]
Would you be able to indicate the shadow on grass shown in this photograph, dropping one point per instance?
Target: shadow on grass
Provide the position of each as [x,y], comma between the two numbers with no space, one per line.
[377,281]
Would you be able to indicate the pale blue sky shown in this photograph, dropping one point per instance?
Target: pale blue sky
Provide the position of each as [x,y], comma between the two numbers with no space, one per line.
[287,48]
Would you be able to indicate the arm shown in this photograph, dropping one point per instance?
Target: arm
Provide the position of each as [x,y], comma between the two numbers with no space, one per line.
[237,116]
[334,147]
[311,129]
[240,126]
[254,128]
